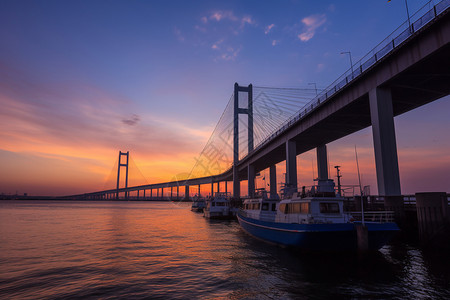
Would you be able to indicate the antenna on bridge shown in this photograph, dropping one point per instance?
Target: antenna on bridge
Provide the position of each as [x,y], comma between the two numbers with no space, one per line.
[120,164]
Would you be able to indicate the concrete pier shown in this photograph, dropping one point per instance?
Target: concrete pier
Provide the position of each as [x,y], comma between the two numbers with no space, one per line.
[273,181]
[291,164]
[433,215]
[322,162]
[384,142]
[251,180]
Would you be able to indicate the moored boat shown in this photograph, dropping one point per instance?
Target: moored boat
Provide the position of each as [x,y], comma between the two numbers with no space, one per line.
[217,207]
[313,220]
[198,203]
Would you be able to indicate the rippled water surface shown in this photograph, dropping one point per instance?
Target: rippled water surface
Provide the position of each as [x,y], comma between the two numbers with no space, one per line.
[161,250]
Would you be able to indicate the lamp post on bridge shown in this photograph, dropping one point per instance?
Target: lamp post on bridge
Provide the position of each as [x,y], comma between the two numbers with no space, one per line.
[407,13]
[351,62]
[315,86]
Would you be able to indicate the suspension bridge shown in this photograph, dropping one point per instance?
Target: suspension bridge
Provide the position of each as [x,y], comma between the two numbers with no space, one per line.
[262,126]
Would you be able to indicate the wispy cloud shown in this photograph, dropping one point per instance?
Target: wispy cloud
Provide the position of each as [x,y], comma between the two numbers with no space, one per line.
[247,20]
[269,28]
[221,15]
[320,67]
[227,25]
[216,45]
[132,121]
[178,34]
[230,54]
[311,24]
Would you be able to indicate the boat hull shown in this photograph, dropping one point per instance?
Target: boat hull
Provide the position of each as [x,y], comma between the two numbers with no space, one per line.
[217,215]
[328,237]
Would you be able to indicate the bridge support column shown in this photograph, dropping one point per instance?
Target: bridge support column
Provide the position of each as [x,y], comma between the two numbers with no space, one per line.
[171,192]
[251,180]
[273,181]
[186,192]
[178,192]
[322,162]
[212,189]
[226,187]
[236,183]
[218,186]
[199,193]
[291,164]
[385,146]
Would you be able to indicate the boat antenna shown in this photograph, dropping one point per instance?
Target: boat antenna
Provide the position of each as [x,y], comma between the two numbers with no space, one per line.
[360,190]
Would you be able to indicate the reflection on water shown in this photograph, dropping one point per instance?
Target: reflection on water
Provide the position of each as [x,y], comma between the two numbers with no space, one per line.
[162,250]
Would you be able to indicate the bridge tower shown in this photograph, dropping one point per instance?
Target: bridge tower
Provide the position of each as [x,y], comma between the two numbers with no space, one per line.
[249,112]
[120,164]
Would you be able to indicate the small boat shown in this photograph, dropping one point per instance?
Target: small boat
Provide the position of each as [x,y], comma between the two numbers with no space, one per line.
[217,207]
[313,220]
[198,203]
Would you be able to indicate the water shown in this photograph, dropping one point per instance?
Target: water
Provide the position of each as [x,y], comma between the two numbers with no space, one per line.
[160,250]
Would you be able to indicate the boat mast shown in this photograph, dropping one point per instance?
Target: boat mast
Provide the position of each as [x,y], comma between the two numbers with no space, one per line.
[360,189]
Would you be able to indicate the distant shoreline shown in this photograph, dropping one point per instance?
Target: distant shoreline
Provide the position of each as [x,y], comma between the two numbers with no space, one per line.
[66,198]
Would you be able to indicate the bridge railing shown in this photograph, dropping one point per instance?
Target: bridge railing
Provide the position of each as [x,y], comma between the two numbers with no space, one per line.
[418,20]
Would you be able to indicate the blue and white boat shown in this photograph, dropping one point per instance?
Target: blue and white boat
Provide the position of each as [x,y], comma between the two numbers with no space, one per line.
[313,220]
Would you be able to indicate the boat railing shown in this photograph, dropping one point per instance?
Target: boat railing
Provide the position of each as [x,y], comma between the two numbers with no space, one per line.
[242,212]
[374,216]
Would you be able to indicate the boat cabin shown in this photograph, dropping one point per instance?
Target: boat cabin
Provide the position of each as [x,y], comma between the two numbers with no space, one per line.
[261,206]
[217,206]
[311,210]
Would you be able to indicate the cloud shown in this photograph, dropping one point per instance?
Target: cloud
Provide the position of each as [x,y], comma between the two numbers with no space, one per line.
[269,28]
[275,42]
[311,24]
[222,15]
[230,54]
[248,20]
[320,67]
[178,34]
[133,121]
[216,45]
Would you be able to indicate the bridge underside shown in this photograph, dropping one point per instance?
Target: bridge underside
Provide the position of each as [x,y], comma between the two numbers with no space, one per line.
[416,75]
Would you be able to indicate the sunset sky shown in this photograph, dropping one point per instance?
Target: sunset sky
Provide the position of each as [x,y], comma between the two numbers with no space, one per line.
[82,80]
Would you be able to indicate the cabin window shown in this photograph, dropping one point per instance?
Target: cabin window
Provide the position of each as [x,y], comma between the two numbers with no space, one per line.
[329,208]
[295,208]
[265,206]
[220,204]
[304,209]
[283,208]
[213,204]
[274,206]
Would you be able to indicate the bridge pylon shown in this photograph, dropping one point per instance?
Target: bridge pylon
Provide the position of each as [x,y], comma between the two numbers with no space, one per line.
[120,164]
[249,112]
